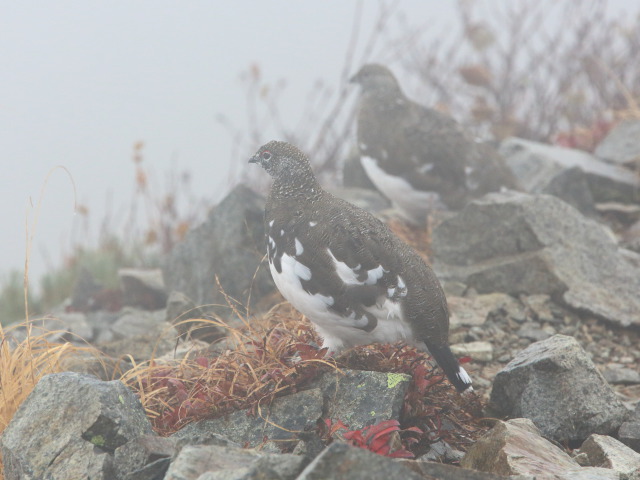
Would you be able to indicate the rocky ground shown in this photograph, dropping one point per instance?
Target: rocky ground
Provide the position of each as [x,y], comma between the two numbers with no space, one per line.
[544,292]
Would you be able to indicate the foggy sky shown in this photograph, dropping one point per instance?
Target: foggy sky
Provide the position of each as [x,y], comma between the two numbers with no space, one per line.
[81,82]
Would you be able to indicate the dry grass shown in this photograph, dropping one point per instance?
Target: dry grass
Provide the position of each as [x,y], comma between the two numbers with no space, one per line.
[268,357]
[22,364]
[271,356]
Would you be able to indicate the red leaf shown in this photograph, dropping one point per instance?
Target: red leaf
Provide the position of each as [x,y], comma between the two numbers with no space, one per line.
[402,453]
[203,362]
[382,450]
[379,443]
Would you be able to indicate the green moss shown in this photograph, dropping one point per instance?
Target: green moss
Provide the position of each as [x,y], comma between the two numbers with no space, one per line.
[393,379]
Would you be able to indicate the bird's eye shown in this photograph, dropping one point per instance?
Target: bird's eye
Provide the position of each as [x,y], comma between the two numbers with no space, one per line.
[266,156]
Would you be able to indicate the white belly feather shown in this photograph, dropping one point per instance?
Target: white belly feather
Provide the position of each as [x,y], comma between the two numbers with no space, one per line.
[339,332]
[413,204]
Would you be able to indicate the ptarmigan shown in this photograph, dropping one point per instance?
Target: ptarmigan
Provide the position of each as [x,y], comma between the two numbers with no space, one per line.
[418,157]
[344,269]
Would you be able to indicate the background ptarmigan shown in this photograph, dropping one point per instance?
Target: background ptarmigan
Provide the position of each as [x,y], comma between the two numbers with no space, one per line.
[344,269]
[418,157]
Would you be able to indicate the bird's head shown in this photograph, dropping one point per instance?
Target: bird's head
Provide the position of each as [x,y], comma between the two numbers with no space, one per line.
[373,76]
[284,162]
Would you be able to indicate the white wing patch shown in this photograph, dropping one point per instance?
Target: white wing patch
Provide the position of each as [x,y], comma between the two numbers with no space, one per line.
[344,271]
[374,275]
[349,276]
[299,247]
[313,224]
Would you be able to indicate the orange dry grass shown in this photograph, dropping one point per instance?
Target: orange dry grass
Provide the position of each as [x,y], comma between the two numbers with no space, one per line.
[22,364]
[269,356]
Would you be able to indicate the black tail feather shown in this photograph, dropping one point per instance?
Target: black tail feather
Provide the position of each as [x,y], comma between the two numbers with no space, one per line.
[452,369]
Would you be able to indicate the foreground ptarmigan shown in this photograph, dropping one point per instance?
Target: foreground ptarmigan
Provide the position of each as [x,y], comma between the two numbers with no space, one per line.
[344,269]
[418,157]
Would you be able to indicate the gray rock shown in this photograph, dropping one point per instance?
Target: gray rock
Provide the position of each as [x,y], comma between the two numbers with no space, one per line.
[533,332]
[621,376]
[134,322]
[340,461]
[629,434]
[155,470]
[541,307]
[360,398]
[517,448]
[183,313]
[279,421]
[143,288]
[621,144]
[607,452]
[556,385]
[441,471]
[572,186]
[139,453]
[59,328]
[69,427]
[95,363]
[213,462]
[473,311]
[479,351]
[512,242]
[229,246]
[140,334]
[535,165]
[101,322]
[441,451]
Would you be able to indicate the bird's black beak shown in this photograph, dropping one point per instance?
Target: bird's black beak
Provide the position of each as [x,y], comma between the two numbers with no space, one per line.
[255,159]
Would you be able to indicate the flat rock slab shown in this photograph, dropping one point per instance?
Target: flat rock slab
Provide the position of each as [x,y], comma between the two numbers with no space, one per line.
[340,461]
[536,164]
[361,398]
[517,448]
[607,452]
[280,421]
[202,462]
[537,244]
[555,384]
[70,426]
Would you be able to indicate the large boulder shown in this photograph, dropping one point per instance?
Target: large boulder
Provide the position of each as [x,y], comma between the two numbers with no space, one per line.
[555,384]
[71,426]
[278,421]
[229,246]
[517,448]
[537,244]
[536,165]
[361,398]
